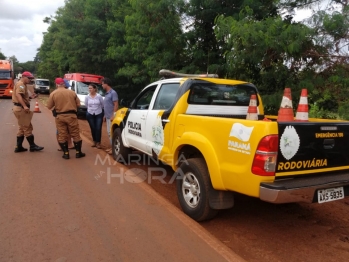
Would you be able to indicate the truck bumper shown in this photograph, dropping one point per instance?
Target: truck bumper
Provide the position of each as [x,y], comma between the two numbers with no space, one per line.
[6,93]
[302,189]
[42,91]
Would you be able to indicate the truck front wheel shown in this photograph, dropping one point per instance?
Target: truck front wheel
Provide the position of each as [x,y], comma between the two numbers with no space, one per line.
[193,185]
[120,152]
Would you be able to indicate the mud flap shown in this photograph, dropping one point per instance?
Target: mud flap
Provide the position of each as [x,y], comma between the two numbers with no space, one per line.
[221,199]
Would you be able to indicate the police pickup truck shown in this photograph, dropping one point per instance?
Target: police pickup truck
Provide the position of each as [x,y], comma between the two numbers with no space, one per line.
[198,126]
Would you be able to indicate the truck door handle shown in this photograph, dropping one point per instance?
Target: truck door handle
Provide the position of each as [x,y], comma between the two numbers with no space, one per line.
[165,120]
[329,143]
[143,117]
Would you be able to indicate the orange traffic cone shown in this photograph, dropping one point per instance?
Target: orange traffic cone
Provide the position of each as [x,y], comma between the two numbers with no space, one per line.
[302,110]
[252,113]
[37,109]
[286,109]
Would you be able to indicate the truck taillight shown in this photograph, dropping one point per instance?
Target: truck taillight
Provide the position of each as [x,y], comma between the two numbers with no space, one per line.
[264,162]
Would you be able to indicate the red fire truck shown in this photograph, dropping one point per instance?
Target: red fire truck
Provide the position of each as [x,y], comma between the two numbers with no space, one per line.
[79,84]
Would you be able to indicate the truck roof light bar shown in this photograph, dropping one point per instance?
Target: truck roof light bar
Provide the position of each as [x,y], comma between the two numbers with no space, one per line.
[170,74]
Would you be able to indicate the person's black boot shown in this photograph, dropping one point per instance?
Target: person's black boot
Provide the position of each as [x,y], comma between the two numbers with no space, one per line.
[65,150]
[77,145]
[33,146]
[19,147]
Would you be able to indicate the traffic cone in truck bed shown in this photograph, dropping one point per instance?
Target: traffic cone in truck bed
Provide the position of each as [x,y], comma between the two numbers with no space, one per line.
[252,113]
[286,110]
[36,108]
[302,114]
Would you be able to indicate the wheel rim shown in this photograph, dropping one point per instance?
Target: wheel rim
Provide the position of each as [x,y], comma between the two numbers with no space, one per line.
[191,190]
[117,145]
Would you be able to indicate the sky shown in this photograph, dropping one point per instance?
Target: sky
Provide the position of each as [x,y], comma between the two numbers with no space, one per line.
[22,26]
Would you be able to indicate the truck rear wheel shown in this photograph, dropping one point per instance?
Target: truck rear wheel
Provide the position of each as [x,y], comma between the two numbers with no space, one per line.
[193,185]
[120,152]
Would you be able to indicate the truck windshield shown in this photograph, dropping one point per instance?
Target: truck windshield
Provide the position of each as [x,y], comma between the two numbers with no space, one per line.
[82,88]
[206,93]
[42,83]
[5,75]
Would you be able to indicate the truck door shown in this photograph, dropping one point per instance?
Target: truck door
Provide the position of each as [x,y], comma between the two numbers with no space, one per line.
[72,85]
[312,148]
[155,133]
[134,133]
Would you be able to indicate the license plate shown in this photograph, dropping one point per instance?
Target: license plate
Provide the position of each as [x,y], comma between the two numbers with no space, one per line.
[330,194]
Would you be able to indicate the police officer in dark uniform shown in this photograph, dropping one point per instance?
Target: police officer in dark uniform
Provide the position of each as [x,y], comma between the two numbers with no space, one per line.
[20,99]
[66,104]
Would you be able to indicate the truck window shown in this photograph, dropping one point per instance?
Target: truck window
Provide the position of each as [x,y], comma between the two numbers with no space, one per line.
[72,86]
[226,95]
[42,83]
[143,101]
[166,96]
[82,88]
[5,75]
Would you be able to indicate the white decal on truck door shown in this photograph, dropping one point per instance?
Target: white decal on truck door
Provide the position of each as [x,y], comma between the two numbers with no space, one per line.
[134,131]
[241,132]
[134,128]
[157,135]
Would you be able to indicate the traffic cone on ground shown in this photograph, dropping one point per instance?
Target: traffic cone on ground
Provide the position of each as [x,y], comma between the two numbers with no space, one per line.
[252,113]
[37,109]
[302,110]
[286,109]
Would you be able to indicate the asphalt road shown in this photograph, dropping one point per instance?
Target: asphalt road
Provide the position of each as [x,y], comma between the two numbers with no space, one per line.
[53,209]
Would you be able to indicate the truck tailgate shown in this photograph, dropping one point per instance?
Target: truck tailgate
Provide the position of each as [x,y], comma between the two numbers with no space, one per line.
[312,148]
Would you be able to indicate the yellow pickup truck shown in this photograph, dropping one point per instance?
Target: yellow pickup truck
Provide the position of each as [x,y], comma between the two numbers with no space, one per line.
[198,126]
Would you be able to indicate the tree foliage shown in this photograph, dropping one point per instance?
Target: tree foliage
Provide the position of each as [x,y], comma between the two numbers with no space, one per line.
[152,41]
[277,52]
[205,51]
[2,56]
[252,40]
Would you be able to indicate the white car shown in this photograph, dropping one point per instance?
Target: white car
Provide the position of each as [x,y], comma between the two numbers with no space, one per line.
[42,86]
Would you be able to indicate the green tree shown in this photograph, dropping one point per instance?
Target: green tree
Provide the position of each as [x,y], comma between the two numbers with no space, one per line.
[331,76]
[50,63]
[252,40]
[153,40]
[277,52]
[205,52]
[77,39]
[2,56]
[116,49]
[28,66]
[16,65]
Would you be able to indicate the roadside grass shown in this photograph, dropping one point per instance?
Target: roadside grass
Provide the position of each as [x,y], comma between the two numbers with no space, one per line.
[43,99]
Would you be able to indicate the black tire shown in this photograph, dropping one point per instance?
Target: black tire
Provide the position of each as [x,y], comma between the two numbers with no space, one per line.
[193,186]
[120,152]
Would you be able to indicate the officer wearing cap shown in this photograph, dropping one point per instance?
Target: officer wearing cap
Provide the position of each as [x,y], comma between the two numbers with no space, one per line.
[70,143]
[20,99]
[66,104]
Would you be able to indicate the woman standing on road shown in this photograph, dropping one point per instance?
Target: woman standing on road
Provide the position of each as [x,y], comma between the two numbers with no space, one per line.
[94,115]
